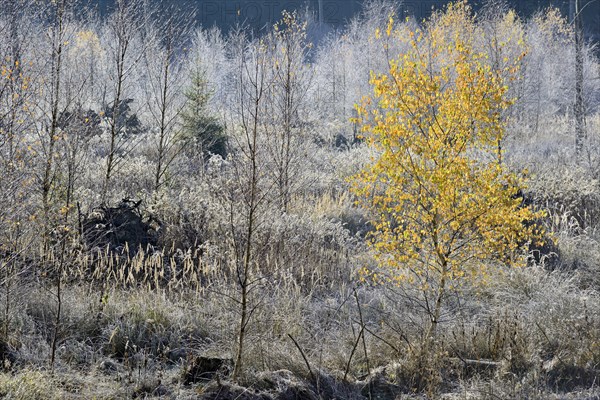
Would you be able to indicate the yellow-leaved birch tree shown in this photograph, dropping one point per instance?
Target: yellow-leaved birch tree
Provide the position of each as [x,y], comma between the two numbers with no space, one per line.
[443,207]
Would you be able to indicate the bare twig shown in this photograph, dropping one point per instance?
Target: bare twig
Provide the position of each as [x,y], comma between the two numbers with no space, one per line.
[362,324]
[362,330]
[312,375]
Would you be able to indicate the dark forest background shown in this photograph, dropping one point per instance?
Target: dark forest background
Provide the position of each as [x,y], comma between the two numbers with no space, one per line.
[335,13]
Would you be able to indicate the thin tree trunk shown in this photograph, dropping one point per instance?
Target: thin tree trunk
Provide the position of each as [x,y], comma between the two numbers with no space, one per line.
[110,161]
[579,107]
[163,126]
[243,278]
[52,129]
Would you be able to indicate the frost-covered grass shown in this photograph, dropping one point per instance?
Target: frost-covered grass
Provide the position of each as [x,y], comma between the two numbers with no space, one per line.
[133,322]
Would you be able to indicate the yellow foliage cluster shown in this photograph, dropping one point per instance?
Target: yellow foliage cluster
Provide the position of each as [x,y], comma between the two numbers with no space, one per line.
[14,74]
[442,202]
[87,41]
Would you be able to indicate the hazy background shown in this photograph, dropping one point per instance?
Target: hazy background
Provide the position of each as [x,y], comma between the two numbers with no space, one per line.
[334,13]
